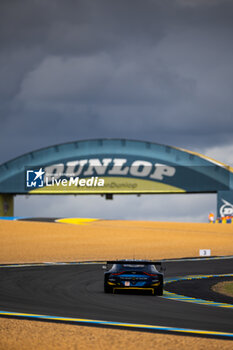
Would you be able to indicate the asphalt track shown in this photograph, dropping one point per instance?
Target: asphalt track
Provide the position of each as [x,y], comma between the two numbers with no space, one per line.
[76,291]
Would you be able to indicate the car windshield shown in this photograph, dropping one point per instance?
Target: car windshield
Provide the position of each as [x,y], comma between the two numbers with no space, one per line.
[135,267]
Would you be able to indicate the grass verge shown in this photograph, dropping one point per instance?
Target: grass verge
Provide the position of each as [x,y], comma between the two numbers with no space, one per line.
[225,288]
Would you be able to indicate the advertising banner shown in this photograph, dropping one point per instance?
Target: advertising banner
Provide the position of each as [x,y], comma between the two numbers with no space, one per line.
[225,204]
[114,167]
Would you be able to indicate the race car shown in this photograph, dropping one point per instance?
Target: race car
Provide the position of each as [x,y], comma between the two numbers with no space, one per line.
[133,275]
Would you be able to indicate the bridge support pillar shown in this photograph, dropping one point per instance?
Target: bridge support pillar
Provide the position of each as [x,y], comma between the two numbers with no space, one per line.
[6,205]
[225,204]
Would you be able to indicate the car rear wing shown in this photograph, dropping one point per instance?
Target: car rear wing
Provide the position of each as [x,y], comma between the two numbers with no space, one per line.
[162,268]
[133,262]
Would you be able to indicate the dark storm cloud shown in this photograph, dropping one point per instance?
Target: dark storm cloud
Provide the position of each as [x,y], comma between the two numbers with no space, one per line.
[154,70]
[77,26]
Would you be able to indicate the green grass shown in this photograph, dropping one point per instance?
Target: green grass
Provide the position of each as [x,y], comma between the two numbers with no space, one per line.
[225,288]
[229,288]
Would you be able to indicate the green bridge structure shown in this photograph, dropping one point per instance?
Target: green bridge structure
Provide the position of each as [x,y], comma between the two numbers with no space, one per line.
[114,167]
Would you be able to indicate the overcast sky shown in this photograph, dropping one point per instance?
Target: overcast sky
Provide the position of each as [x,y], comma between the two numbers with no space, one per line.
[150,70]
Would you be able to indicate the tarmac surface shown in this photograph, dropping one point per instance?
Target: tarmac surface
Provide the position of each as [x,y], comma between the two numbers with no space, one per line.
[77,291]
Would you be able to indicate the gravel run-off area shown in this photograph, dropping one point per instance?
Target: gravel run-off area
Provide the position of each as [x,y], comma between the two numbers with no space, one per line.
[25,242]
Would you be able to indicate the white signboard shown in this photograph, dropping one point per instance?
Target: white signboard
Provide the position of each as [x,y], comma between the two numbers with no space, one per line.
[205,252]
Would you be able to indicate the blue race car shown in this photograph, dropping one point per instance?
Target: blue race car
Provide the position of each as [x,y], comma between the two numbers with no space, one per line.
[133,275]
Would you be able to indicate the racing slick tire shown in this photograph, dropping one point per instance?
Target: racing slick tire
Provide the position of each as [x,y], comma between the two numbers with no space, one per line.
[107,289]
[158,291]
